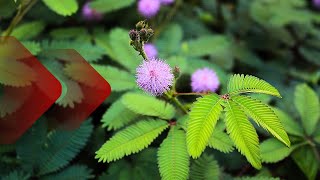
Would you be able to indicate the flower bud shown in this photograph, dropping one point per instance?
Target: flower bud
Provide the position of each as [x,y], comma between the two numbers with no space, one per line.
[133,34]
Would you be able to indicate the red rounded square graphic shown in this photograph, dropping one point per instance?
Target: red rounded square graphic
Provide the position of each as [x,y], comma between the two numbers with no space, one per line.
[83,88]
[27,90]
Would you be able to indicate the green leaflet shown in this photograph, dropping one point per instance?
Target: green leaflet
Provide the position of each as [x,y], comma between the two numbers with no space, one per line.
[148,105]
[308,106]
[62,7]
[106,6]
[173,158]
[203,118]
[243,133]
[89,52]
[306,160]
[205,168]
[79,172]
[221,141]
[28,30]
[117,116]
[32,46]
[273,151]
[290,125]
[263,116]
[131,140]
[247,83]
[119,80]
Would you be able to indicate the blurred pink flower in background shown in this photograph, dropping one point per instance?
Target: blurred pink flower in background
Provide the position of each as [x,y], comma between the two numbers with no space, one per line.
[90,14]
[151,50]
[148,8]
[203,80]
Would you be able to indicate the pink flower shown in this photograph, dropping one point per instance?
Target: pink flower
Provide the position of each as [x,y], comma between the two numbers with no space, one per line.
[204,80]
[154,77]
[166,2]
[316,3]
[90,14]
[151,50]
[148,8]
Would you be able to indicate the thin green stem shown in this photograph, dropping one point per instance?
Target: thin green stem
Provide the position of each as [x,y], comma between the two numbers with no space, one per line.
[143,53]
[22,10]
[176,102]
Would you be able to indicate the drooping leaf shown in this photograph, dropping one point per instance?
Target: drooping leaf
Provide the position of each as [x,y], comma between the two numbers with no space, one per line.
[263,116]
[247,83]
[119,80]
[61,7]
[173,158]
[205,168]
[28,30]
[273,151]
[117,116]
[289,124]
[62,146]
[243,133]
[308,106]
[221,141]
[306,160]
[89,52]
[131,140]
[79,172]
[147,105]
[203,118]
[15,73]
[106,6]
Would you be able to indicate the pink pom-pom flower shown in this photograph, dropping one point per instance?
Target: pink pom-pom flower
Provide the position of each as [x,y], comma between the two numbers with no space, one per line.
[204,80]
[154,77]
[148,8]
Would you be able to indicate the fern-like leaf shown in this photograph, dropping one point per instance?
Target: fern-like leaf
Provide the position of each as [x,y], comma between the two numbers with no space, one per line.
[242,133]
[131,140]
[203,118]
[173,158]
[290,125]
[244,84]
[147,105]
[264,116]
[79,172]
[117,116]
[16,175]
[221,141]
[62,147]
[205,168]
[308,106]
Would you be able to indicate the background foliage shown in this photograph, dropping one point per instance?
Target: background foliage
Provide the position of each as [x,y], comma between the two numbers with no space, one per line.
[275,40]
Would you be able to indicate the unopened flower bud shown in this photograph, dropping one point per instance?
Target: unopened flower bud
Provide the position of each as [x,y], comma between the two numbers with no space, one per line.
[133,34]
[140,25]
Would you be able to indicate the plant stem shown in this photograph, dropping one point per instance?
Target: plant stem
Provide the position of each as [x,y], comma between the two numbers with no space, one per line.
[22,10]
[176,102]
[143,53]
